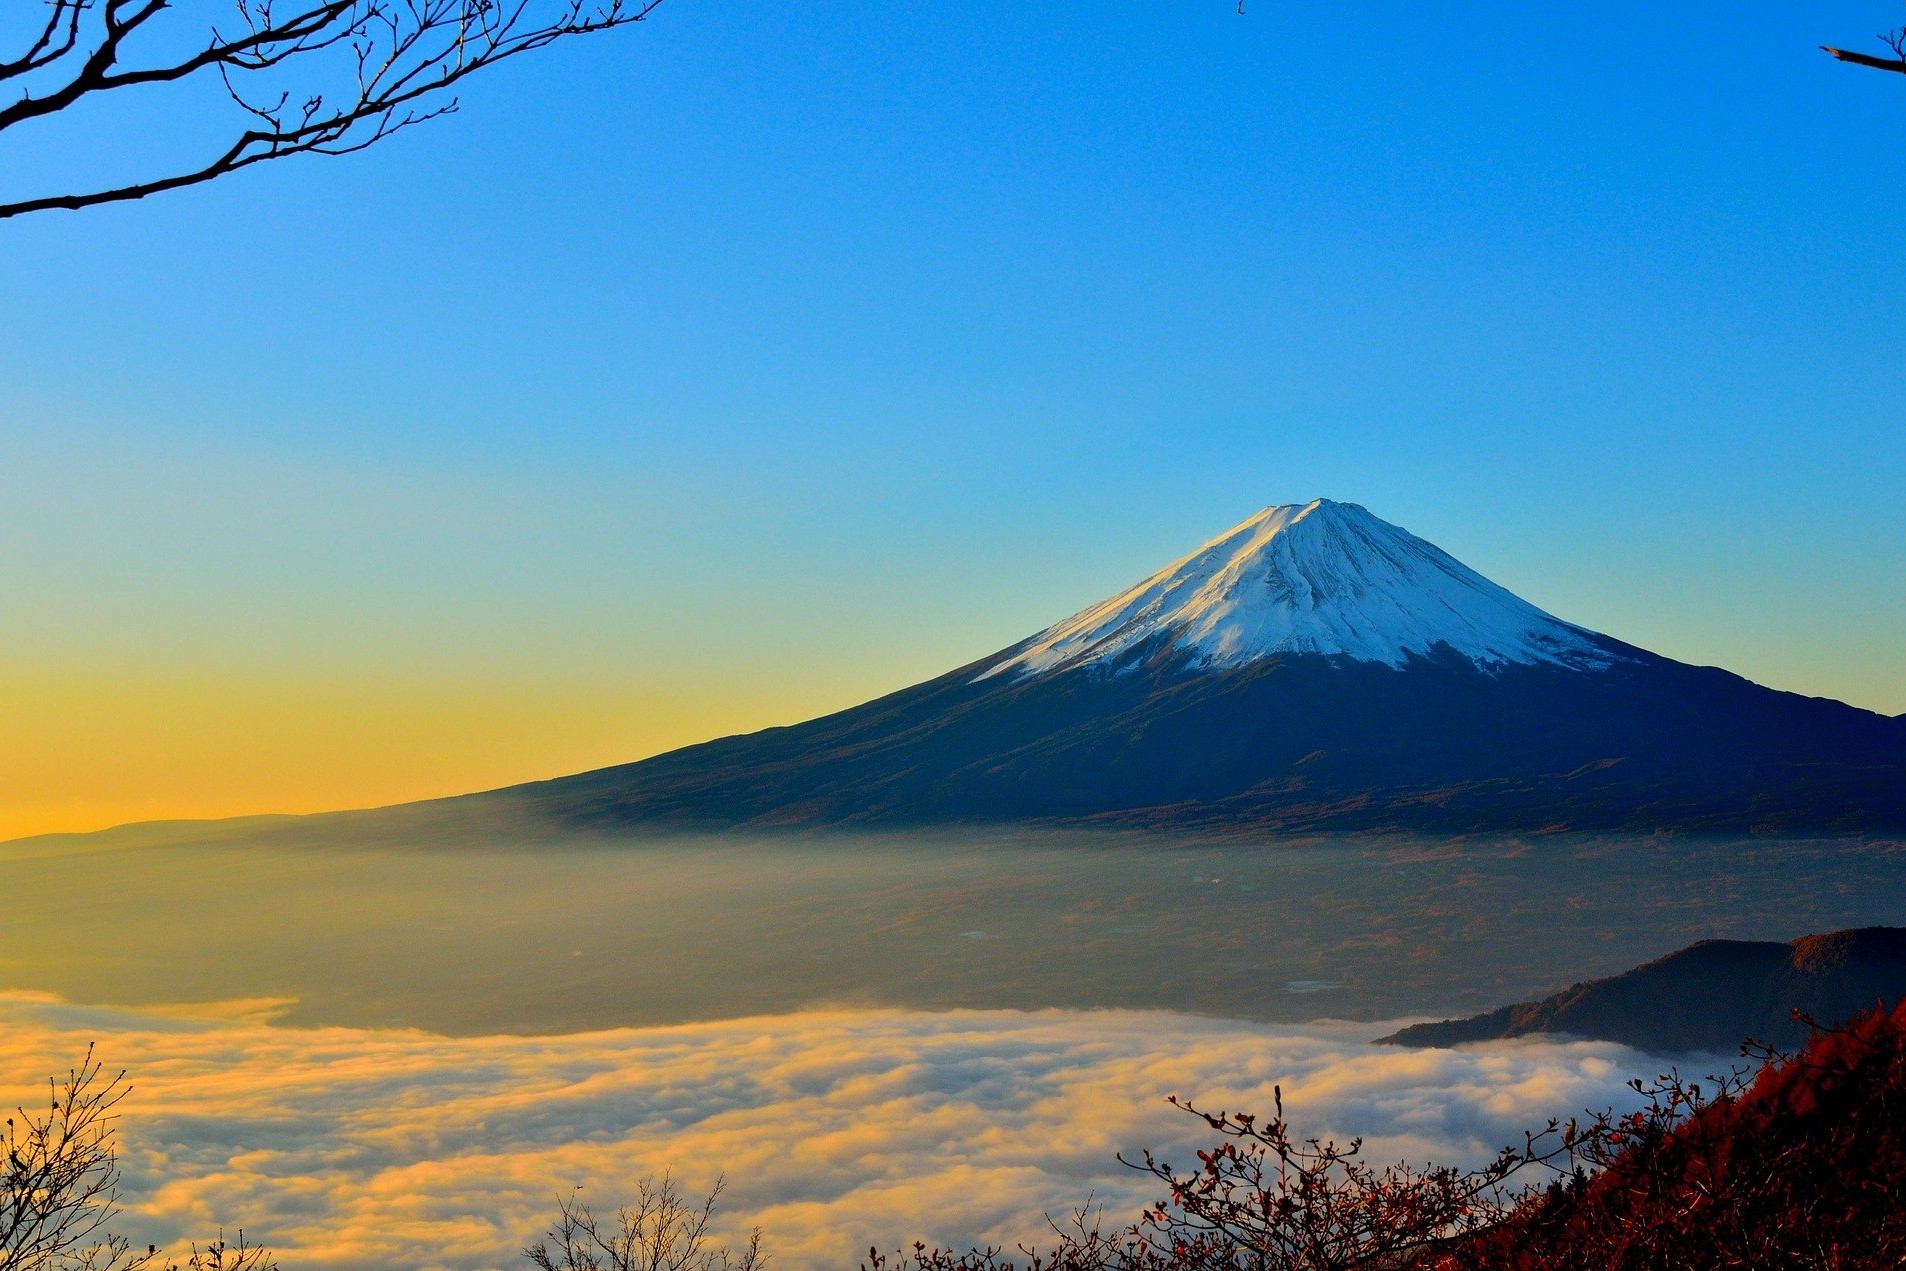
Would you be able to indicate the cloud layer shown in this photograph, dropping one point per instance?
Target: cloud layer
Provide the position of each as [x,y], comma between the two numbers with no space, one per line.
[356,1149]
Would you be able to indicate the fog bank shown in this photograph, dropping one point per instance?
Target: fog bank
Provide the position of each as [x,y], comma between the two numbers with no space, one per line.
[358,1149]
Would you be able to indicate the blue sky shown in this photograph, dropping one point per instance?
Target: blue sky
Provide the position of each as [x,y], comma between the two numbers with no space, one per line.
[767,357]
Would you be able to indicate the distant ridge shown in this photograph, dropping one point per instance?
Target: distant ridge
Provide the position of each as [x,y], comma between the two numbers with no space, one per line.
[1707,997]
[1313,668]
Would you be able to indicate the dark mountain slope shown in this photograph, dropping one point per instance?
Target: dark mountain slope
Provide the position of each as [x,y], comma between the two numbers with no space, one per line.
[1297,740]
[1708,996]
[1313,667]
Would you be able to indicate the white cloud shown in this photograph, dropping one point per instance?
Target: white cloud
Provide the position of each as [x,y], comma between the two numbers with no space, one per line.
[358,1149]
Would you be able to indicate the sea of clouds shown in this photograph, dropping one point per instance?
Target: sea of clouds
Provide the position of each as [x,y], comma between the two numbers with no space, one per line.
[360,1149]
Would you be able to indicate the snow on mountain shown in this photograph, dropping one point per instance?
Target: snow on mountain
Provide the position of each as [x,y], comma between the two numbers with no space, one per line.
[1318,577]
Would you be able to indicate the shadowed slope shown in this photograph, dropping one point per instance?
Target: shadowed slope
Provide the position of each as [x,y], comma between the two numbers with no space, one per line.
[1708,996]
[1315,667]
[1297,741]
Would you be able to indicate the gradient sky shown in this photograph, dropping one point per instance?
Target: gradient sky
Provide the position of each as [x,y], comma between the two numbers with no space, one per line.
[764,358]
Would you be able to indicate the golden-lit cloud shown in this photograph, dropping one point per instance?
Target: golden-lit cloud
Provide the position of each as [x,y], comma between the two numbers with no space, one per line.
[360,1149]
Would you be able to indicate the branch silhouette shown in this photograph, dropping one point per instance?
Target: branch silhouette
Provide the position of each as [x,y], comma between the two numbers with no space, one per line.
[314,77]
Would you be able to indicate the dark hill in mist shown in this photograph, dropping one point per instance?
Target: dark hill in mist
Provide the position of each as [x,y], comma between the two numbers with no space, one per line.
[1709,996]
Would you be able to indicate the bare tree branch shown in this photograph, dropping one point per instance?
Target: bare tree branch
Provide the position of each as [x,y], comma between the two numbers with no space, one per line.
[59,1183]
[56,40]
[1894,40]
[661,1231]
[370,69]
[59,1187]
[1863,59]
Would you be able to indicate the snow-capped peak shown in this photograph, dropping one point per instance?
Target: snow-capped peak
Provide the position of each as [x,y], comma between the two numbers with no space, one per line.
[1318,577]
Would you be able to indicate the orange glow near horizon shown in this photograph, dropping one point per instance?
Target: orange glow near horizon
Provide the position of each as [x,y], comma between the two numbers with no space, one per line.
[85,751]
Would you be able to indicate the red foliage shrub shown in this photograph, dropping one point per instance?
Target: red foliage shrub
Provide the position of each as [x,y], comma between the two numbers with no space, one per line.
[1803,1167]
[1264,1198]
[1801,1164]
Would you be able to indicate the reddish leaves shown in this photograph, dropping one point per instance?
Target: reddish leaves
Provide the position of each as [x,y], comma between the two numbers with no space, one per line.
[1804,1166]
[1800,1163]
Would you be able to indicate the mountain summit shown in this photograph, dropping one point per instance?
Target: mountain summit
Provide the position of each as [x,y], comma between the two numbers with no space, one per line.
[1317,577]
[1313,668]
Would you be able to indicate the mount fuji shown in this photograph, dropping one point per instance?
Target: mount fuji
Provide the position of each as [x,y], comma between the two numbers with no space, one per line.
[1313,668]
[1322,577]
